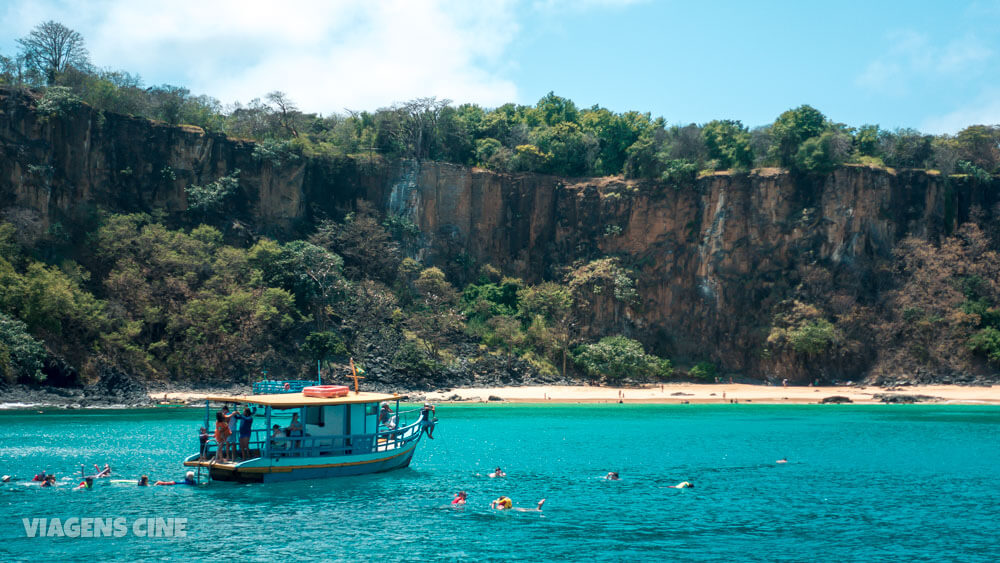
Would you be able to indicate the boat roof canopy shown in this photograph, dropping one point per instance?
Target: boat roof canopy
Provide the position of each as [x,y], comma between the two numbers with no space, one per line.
[294,400]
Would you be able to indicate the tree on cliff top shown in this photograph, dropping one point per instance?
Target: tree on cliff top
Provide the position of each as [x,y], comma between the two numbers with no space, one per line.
[792,128]
[51,48]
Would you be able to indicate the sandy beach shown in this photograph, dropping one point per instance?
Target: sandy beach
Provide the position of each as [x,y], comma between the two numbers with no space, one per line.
[677,393]
[725,393]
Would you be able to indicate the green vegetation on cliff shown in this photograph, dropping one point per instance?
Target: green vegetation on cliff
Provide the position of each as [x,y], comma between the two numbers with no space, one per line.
[553,137]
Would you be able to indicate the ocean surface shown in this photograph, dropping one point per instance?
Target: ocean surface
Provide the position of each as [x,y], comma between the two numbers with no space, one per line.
[862,483]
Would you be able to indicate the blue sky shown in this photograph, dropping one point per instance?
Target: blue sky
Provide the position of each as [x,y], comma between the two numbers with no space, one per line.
[928,65]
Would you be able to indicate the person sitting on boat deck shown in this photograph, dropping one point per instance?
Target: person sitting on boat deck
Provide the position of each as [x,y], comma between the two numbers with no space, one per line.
[40,477]
[294,428]
[612,476]
[427,421]
[49,481]
[233,440]
[246,429]
[278,437]
[497,473]
[203,441]
[682,485]
[385,417]
[221,436]
[460,499]
[143,481]
[188,480]
[87,483]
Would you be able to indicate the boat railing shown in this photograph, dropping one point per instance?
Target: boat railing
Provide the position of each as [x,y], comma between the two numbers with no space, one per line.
[263,444]
[279,386]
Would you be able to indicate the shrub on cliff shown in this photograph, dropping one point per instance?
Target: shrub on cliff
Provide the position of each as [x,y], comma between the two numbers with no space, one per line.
[57,101]
[803,329]
[21,356]
[616,358]
[823,154]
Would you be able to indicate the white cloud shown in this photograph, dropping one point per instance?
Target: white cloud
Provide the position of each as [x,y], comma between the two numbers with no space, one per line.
[326,55]
[985,111]
[912,56]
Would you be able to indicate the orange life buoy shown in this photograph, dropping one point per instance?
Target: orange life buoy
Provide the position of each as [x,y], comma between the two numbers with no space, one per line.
[326,391]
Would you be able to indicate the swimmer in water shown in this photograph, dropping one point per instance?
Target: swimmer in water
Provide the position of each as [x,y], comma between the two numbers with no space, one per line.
[143,481]
[502,503]
[536,509]
[682,485]
[782,460]
[459,499]
[497,473]
[612,476]
[88,483]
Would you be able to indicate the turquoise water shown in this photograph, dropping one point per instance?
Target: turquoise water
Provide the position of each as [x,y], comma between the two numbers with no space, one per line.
[907,482]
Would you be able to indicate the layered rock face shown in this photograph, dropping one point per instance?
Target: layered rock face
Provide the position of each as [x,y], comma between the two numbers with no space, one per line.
[712,259]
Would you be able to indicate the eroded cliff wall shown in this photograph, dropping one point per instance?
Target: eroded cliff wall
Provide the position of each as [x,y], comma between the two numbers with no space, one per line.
[713,259]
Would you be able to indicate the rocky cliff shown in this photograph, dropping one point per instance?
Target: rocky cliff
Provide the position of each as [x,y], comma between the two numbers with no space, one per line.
[712,259]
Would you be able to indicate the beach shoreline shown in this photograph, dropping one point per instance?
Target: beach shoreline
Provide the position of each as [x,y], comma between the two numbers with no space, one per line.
[684,393]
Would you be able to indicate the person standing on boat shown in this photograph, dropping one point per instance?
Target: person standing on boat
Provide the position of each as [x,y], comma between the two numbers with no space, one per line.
[426,420]
[246,429]
[222,433]
[233,431]
[294,429]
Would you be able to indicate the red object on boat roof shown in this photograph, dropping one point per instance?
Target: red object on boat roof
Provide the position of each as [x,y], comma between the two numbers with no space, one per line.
[325,391]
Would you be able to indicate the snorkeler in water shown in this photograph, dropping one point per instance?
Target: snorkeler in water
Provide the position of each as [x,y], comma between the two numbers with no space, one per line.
[504,503]
[782,460]
[460,499]
[612,476]
[497,473]
[682,485]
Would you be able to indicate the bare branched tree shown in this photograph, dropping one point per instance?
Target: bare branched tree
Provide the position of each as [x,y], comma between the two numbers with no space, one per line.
[52,47]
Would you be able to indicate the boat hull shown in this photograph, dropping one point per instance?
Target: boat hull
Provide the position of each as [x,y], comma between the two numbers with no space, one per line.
[294,469]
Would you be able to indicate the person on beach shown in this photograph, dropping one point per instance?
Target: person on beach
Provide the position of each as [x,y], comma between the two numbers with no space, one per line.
[612,476]
[460,499]
[682,485]
[221,436]
[497,473]
[246,429]
[188,480]
[88,483]
[143,481]
[427,421]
